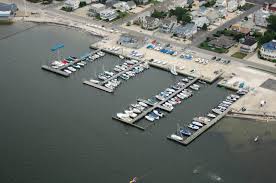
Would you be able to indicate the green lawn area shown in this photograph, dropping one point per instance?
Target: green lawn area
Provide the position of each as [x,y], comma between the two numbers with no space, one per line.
[205,46]
[239,55]
[247,6]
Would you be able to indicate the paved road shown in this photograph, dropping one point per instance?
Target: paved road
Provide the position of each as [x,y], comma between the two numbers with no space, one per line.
[201,37]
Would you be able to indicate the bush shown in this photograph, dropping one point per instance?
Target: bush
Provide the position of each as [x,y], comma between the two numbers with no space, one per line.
[82,4]
[68,9]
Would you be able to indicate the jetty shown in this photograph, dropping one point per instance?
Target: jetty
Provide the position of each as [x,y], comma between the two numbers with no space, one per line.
[60,71]
[152,107]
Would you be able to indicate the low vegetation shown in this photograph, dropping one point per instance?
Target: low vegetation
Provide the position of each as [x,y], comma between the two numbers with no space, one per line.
[239,55]
[159,14]
[206,46]
[68,9]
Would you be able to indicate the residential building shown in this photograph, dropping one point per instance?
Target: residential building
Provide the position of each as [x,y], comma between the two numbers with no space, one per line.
[185,31]
[168,24]
[212,15]
[7,12]
[74,4]
[121,6]
[150,23]
[220,3]
[200,21]
[108,14]
[268,50]
[221,11]
[260,18]
[271,7]
[95,9]
[232,5]
[249,45]
[131,4]
[222,42]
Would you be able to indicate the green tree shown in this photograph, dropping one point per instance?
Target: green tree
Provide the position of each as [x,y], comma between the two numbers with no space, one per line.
[159,14]
[186,18]
[205,27]
[272,22]
[268,36]
[82,4]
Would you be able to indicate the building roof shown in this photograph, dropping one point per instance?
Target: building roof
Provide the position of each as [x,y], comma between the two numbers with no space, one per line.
[97,6]
[185,29]
[169,20]
[270,45]
[150,20]
[222,42]
[131,4]
[249,41]
[8,7]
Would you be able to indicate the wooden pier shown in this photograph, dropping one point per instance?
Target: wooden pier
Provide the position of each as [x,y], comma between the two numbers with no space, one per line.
[156,105]
[98,86]
[60,71]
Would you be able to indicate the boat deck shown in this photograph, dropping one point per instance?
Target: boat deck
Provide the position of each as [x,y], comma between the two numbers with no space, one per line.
[157,105]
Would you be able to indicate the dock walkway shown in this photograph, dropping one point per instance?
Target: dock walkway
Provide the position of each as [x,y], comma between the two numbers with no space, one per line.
[154,106]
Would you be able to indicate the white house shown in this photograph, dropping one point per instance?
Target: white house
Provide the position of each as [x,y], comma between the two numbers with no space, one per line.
[185,31]
[200,21]
[108,14]
[232,5]
[260,17]
[95,9]
[74,4]
[121,6]
[268,50]
[249,45]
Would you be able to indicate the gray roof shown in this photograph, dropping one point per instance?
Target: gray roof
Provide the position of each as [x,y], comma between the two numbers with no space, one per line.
[131,3]
[222,42]
[150,20]
[8,7]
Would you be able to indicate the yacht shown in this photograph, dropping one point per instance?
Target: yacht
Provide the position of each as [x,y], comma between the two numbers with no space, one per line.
[197,124]
[158,113]
[211,115]
[176,137]
[185,132]
[149,118]
[194,127]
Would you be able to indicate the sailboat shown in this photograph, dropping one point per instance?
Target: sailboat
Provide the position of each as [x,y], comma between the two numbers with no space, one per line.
[173,70]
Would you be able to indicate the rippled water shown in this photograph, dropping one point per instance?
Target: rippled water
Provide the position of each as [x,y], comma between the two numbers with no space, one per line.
[56,129]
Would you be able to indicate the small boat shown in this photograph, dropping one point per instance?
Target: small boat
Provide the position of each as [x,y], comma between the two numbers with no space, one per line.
[176,137]
[185,132]
[197,123]
[194,127]
[69,72]
[217,111]
[256,138]
[149,118]
[94,81]
[136,110]
[76,66]
[158,113]
[143,104]
[202,82]
[211,115]
[122,115]
[121,57]
[72,69]
[173,70]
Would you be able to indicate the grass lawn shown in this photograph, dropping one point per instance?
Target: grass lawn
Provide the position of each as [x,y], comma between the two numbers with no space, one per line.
[239,55]
[205,46]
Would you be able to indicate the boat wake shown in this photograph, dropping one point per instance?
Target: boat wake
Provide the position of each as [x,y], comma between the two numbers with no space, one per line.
[215,177]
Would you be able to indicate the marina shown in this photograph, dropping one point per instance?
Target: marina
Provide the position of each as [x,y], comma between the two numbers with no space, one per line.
[153,106]
[202,124]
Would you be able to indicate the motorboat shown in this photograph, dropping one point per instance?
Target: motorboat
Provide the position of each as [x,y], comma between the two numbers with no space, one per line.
[217,111]
[194,127]
[76,66]
[176,137]
[137,111]
[143,104]
[185,132]
[149,118]
[158,113]
[72,69]
[185,80]
[94,81]
[202,119]
[131,113]
[121,57]
[69,72]
[210,115]
[197,123]
[152,114]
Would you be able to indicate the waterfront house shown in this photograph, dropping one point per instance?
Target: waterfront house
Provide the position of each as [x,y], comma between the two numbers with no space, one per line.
[249,45]
[260,18]
[73,4]
[131,5]
[222,42]
[7,12]
[168,24]
[268,50]
[185,31]
[108,14]
[121,6]
[95,9]
[150,23]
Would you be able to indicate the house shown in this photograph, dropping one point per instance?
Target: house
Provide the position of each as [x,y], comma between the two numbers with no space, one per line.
[121,6]
[108,14]
[131,4]
[168,24]
[141,1]
[110,3]
[7,12]
[150,23]
[249,45]
[220,3]
[212,15]
[260,18]
[185,31]
[200,21]
[74,4]
[241,2]
[232,5]
[95,9]
[270,7]
[268,50]
[222,42]
[221,11]
[202,11]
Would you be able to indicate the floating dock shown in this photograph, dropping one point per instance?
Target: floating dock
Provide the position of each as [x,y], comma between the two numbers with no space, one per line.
[98,86]
[154,106]
[60,71]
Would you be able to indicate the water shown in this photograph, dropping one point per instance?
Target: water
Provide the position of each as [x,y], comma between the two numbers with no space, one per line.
[56,129]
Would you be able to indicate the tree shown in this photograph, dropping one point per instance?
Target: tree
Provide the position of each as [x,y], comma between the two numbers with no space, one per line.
[159,14]
[205,27]
[268,36]
[186,18]
[181,14]
[272,22]
[82,4]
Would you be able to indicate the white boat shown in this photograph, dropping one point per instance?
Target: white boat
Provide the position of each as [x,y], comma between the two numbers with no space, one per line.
[136,110]
[211,115]
[217,111]
[122,115]
[131,113]
[158,113]
[173,70]
[72,69]
[143,104]
[197,123]
[94,81]
[176,137]
[121,57]
[149,118]
[229,103]
[69,72]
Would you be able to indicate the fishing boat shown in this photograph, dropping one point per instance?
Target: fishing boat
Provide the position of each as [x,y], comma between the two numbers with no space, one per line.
[173,70]
[197,124]
[210,115]
[176,137]
[194,127]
